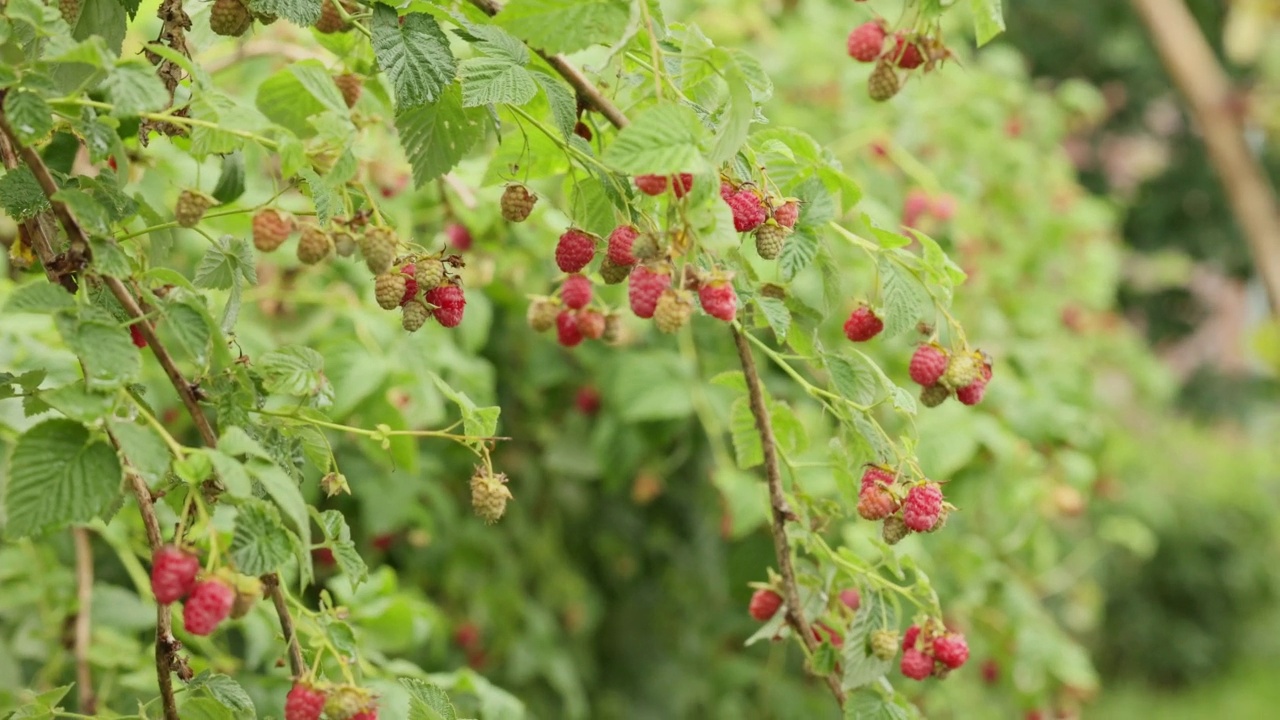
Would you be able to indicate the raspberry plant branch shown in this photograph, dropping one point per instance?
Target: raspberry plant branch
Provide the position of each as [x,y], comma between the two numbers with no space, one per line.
[271,588]
[84,618]
[33,229]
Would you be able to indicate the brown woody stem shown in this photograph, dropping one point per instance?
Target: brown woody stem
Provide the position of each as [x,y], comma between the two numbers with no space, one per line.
[84,615]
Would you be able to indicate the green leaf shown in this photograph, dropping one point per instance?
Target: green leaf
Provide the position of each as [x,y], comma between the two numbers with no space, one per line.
[476,421]
[852,379]
[787,428]
[436,136]
[747,449]
[288,102]
[797,253]
[260,543]
[58,475]
[564,26]
[40,297]
[664,140]
[735,122]
[29,115]
[872,706]
[492,81]
[861,668]
[144,449]
[109,357]
[91,214]
[905,298]
[323,195]
[302,13]
[231,182]
[284,491]
[228,262]
[133,88]
[338,537]
[20,194]
[988,20]
[564,108]
[427,701]
[415,56]
[76,402]
[776,314]
[185,322]
[226,691]
[205,709]
[220,112]
[231,473]
[295,370]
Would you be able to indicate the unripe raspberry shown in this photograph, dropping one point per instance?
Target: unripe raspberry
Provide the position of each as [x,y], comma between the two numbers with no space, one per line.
[173,573]
[314,245]
[208,605]
[344,243]
[591,324]
[866,42]
[517,202]
[576,291]
[248,593]
[489,494]
[230,17]
[330,20]
[350,86]
[673,310]
[916,665]
[921,508]
[575,250]
[894,529]
[646,247]
[770,238]
[719,300]
[378,246]
[612,328]
[972,393]
[348,702]
[450,302]
[413,315]
[748,209]
[874,475]
[304,702]
[429,273]
[271,228]
[905,53]
[883,82]
[951,650]
[135,335]
[644,288]
[928,363]
[962,370]
[612,272]
[620,242]
[567,332]
[862,324]
[934,395]
[851,598]
[884,644]
[542,312]
[70,10]
[787,213]
[764,604]
[192,205]
[389,290]
[875,503]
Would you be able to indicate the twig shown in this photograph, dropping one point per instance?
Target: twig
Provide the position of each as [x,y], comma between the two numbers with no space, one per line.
[167,645]
[271,586]
[1200,78]
[84,616]
[34,229]
[778,502]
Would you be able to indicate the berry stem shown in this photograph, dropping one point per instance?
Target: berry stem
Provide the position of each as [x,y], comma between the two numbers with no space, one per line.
[380,432]
[174,119]
[140,407]
[271,588]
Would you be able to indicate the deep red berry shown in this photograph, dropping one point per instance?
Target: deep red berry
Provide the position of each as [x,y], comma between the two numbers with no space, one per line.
[910,636]
[136,336]
[575,250]
[304,703]
[652,184]
[208,605]
[323,557]
[719,300]
[928,363]
[567,332]
[874,474]
[173,574]
[591,324]
[583,131]
[851,598]
[866,42]
[576,291]
[875,503]
[681,184]
[369,713]
[621,240]
[450,303]
[764,603]
[862,324]
[409,271]
[587,400]
[467,636]
[906,54]
[951,650]
[727,190]
[916,665]
[748,209]
[459,236]
[990,672]
[644,287]
[922,507]
[787,214]
[382,542]
[972,393]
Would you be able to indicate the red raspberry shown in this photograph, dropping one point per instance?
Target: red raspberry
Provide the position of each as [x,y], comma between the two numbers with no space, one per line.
[990,672]
[644,287]
[209,604]
[620,242]
[727,190]
[304,703]
[576,291]
[787,214]
[567,332]
[719,300]
[915,205]
[575,250]
[818,630]
[748,209]
[910,636]
[591,324]
[467,636]
[874,474]
[862,324]
[652,184]
[173,573]
[681,184]
[410,284]
[876,503]
[905,53]
[916,665]
[583,131]
[369,713]
[866,42]
[972,393]
[587,400]
[764,603]
[459,236]
[928,363]
[136,336]
[450,303]
[851,598]
[324,557]
[922,507]
[951,650]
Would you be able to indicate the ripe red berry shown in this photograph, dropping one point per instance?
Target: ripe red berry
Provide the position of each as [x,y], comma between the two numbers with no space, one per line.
[922,507]
[681,184]
[972,393]
[369,713]
[591,324]
[567,332]
[304,703]
[951,650]
[644,287]
[764,603]
[135,335]
[990,672]
[173,573]
[906,53]
[208,605]
[928,363]
[862,324]
[851,598]
[575,250]
[719,300]
[822,629]
[576,291]
[875,503]
[621,240]
[467,636]
[787,214]
[749,211]
[459,236]
[652,184]
[910,636]
[409,271]
[583,131]
[727,190]
[916,665]
[876,474]
[450,303]
[587,400]
[323,557]
[866,42]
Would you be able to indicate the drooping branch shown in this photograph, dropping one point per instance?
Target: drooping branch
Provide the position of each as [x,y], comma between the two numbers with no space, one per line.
[84,619]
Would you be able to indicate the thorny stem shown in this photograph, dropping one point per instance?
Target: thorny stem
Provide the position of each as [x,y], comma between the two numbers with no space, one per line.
[84,598]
